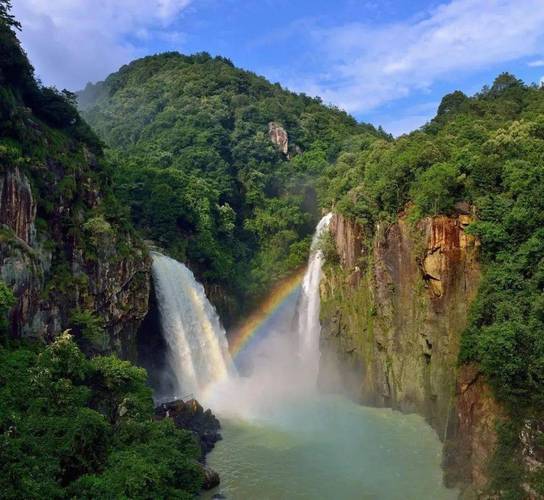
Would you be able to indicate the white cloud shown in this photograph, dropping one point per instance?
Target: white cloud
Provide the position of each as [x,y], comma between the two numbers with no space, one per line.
[536,64]
[71,42]
[368,66]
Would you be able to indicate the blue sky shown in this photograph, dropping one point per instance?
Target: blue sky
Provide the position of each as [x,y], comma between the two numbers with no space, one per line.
[386,62]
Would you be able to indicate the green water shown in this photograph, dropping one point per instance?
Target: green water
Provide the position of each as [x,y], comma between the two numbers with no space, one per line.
[329,448]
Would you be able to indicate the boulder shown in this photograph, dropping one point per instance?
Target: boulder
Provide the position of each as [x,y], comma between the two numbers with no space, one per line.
[191,416]
[211,478]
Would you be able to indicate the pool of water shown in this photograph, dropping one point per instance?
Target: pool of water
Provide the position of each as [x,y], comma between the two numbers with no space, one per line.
[326,447]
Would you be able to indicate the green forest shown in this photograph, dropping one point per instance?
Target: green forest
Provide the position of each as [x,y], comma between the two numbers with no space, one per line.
[188,136]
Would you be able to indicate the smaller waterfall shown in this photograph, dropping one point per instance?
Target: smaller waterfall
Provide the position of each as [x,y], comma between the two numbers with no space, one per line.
[197,344]
[309,327]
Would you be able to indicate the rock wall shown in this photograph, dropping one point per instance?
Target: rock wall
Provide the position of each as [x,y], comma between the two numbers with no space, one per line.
[55,269]
[393,310]
[473,437]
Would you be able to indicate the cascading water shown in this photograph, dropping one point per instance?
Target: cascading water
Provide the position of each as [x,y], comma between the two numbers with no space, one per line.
[309,327]
[197,345]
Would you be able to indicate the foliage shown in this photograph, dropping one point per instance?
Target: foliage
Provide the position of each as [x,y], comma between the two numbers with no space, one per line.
[77,428]
[328,246]
[89,333]
[6,18]
[152,465]
[505,466]
[200,174]
[436,189]
[7,301]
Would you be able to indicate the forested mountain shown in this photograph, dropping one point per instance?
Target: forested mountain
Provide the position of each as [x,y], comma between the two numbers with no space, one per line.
[482,156]
[218,166]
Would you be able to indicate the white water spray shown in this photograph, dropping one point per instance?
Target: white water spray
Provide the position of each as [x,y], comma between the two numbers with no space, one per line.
[197,345]
[286,361]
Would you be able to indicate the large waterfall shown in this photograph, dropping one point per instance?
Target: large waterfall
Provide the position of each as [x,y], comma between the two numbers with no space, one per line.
[309,327]
[197,345]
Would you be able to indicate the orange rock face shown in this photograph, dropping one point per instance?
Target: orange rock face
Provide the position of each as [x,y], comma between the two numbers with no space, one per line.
[447,247]
[348,237]
[474,438]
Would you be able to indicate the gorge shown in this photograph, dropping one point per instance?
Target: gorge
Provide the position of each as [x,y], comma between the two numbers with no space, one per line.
[287,436]
[284,437]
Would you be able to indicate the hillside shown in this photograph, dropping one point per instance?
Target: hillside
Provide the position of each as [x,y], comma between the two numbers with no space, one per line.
[219,166]
[428,213]
[67,250]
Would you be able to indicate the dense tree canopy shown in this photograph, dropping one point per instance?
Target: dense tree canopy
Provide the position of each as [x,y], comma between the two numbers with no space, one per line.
[73,427]
[189,138]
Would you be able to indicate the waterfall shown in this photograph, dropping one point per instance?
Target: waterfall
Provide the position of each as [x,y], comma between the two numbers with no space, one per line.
[197,344]
[286,359]
[309,328]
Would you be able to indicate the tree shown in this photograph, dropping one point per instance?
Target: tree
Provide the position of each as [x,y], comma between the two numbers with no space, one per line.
[7,301]
[452,103]
[6,18]
[436,189]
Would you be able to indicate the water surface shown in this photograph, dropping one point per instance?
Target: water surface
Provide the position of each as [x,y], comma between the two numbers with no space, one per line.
[327,447]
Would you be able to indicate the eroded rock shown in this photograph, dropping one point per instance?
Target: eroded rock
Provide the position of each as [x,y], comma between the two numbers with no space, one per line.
[17,205]
[393,314]
[473,436]
[55,271]
[211,478]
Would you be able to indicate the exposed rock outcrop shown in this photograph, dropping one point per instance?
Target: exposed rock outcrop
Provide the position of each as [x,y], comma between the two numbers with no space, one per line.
[472,441]
[67,259]
[211,478]
[398,325]
[191,416]
[279,137]
[17,205]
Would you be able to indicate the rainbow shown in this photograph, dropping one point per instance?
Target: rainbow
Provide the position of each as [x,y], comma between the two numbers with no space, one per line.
[252,327]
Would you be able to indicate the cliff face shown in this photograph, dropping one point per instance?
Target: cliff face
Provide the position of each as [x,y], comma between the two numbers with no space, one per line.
[393,310]
[473,437]
[55,268]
